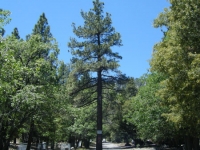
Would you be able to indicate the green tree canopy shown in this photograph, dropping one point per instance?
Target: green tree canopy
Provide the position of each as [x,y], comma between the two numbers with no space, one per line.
[177,56]
[23,89]
[145,111]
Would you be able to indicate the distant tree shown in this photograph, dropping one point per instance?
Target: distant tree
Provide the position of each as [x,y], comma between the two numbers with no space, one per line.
[139,82]
[15,33]
[42,27]
[93,54]
[4,19]
[114,110]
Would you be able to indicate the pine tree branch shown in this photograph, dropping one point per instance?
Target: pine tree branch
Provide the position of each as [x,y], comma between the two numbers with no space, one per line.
[88,103]
[85,59]
[88,97]
[82,88]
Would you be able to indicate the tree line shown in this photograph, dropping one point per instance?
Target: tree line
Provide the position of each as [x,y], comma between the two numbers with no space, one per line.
[45,99]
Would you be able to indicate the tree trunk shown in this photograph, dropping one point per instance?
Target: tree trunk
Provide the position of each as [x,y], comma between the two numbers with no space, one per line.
[72,141]
[195,143]
[30,135]
[6,144]
[52,145]
[47,144]
[99,104]
[77,142]
[41,145]
[86,143]
[1,145]
[191,143]
[1,142]
[188,143]
[14,141]
[37,142]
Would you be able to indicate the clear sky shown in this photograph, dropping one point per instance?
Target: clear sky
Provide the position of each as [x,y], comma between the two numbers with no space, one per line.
[133,19]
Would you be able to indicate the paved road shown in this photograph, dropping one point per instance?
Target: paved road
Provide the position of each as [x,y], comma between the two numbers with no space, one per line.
[114,146]
[110,145]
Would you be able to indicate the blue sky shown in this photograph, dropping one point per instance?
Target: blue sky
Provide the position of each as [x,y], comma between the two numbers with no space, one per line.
[133,19]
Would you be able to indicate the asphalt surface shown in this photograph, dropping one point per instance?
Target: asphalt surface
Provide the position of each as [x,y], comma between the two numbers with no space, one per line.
[115,146]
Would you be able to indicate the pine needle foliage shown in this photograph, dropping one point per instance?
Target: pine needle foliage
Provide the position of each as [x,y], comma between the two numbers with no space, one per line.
[93,53]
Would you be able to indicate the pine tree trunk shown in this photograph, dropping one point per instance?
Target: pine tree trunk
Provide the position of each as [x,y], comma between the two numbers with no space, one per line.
[99,105]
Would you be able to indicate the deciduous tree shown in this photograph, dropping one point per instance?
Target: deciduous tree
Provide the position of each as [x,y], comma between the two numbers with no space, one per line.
[145,111]
[177,56]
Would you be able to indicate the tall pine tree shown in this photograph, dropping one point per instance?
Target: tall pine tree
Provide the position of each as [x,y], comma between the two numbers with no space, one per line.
[93,54]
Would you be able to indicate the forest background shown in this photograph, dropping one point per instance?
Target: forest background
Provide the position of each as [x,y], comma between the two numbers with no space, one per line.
[45,99]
